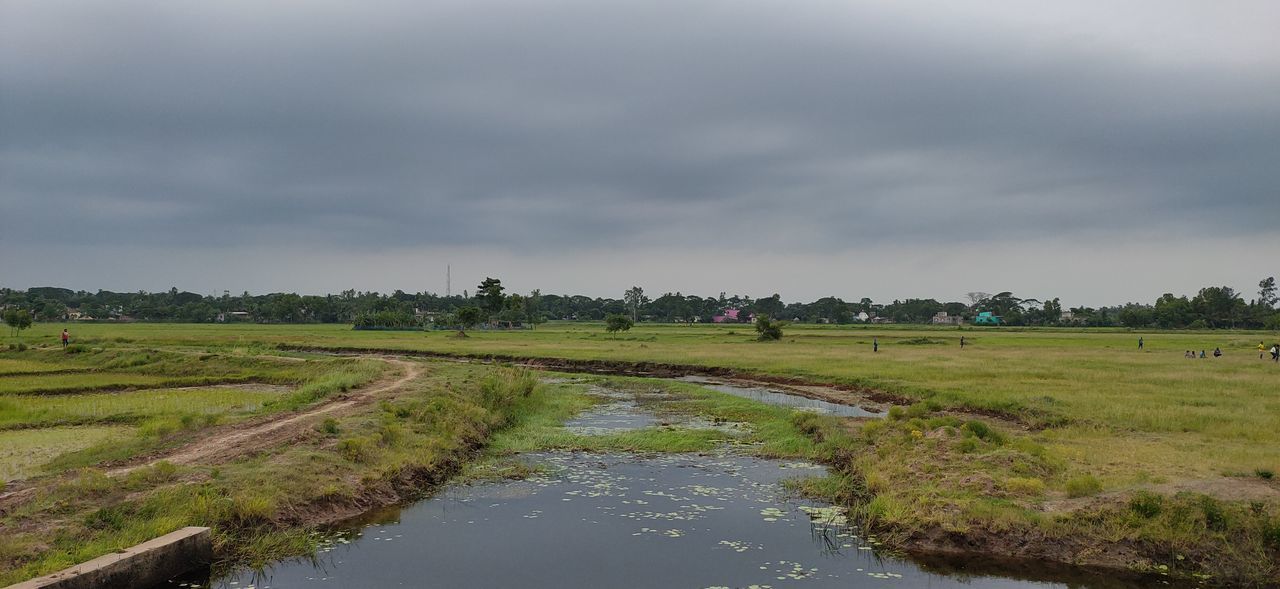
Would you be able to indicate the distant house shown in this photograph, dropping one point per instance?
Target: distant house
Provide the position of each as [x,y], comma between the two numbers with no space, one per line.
[76,315]
[942,318]
[862,317]
[232,316]
[987,318]
[730,316]
[1067,317]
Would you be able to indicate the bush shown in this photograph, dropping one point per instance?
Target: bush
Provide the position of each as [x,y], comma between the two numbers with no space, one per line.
[390,434]
[768,329]
[252,509]
[983,432]
[18,347]
[1271,532]
[1029,487]
[617,322]
[1215,518]
[1265,473]
[1083,486]
[1146,504]
[355,449]
[329,426]
[76,349]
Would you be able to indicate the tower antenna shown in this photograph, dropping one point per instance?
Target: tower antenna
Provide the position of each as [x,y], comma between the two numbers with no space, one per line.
[448,281]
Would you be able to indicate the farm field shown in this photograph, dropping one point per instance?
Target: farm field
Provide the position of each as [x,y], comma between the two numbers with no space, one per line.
[1081,390]
[1054,439]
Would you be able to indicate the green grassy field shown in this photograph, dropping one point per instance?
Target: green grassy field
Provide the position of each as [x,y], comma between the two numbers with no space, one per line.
[1074,435]
[165,395]
[1091,388]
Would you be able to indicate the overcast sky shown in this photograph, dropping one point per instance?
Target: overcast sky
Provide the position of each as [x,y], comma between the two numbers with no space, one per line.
[1100,152]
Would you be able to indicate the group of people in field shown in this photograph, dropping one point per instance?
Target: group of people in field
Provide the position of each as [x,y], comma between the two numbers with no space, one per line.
[1275,351]
[1263,350]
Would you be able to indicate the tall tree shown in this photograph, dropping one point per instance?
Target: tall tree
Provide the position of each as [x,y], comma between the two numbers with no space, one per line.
[490,294]
[1267,292]
[634,297]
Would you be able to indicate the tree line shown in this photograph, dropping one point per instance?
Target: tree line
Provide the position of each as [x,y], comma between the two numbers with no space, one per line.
[490,304]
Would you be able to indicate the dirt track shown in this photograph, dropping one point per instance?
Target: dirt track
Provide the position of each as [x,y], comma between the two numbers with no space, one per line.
[245,438]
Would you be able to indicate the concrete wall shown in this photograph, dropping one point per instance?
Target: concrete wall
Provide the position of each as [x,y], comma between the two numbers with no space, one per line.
[141,566]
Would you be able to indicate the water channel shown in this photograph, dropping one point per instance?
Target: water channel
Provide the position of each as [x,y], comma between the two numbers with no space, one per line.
[620,520]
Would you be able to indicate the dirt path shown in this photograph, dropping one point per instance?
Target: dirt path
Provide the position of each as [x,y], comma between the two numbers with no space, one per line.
[245,438]
[232,441]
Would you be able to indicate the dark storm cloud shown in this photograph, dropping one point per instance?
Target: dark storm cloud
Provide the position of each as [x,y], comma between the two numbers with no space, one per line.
[549,126]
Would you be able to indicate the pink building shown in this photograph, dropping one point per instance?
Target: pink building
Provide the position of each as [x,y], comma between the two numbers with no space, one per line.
[730,315]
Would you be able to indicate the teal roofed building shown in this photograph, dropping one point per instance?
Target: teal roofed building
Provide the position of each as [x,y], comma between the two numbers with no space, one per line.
[986,318]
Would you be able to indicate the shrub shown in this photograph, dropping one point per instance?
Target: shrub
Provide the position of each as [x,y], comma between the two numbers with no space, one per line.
[1271,532]
[1029,487]
[617,322]
[1215,518]
[76,349]
[390,434]
[329,426]
[923,408]
[1146,504]
[355,449]
[768,329]
[108,518]
[983,432]
[897,413]
[1083,486]
[161,472]
[1265,473]
[90,481]
[252,509]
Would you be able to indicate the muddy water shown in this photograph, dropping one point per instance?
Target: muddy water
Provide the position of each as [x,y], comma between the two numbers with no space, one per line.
[617,521]
[775,397]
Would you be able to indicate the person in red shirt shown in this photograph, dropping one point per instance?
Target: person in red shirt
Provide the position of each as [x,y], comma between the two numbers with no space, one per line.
[66,337]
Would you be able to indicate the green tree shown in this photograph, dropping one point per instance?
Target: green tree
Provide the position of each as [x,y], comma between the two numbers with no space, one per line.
[768,329]
[634,298]
[1172,312]
[490,294]
[1218,306]
[17,320]
[617,322]
[1267,292]
[533,308]
[468,317]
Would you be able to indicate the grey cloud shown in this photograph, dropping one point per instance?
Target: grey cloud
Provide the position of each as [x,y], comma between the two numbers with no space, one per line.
[562,125]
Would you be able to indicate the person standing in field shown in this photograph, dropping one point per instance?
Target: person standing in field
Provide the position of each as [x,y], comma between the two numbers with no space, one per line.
[962,342]
[66,337]
[1262,350]
[1139,342]
[1275,352]
[875,344]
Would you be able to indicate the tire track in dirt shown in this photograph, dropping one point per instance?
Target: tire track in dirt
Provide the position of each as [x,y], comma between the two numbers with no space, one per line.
[241,439]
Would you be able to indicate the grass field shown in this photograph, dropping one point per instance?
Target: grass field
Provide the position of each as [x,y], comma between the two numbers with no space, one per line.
[1068,434]
[23,453]
[166,395]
